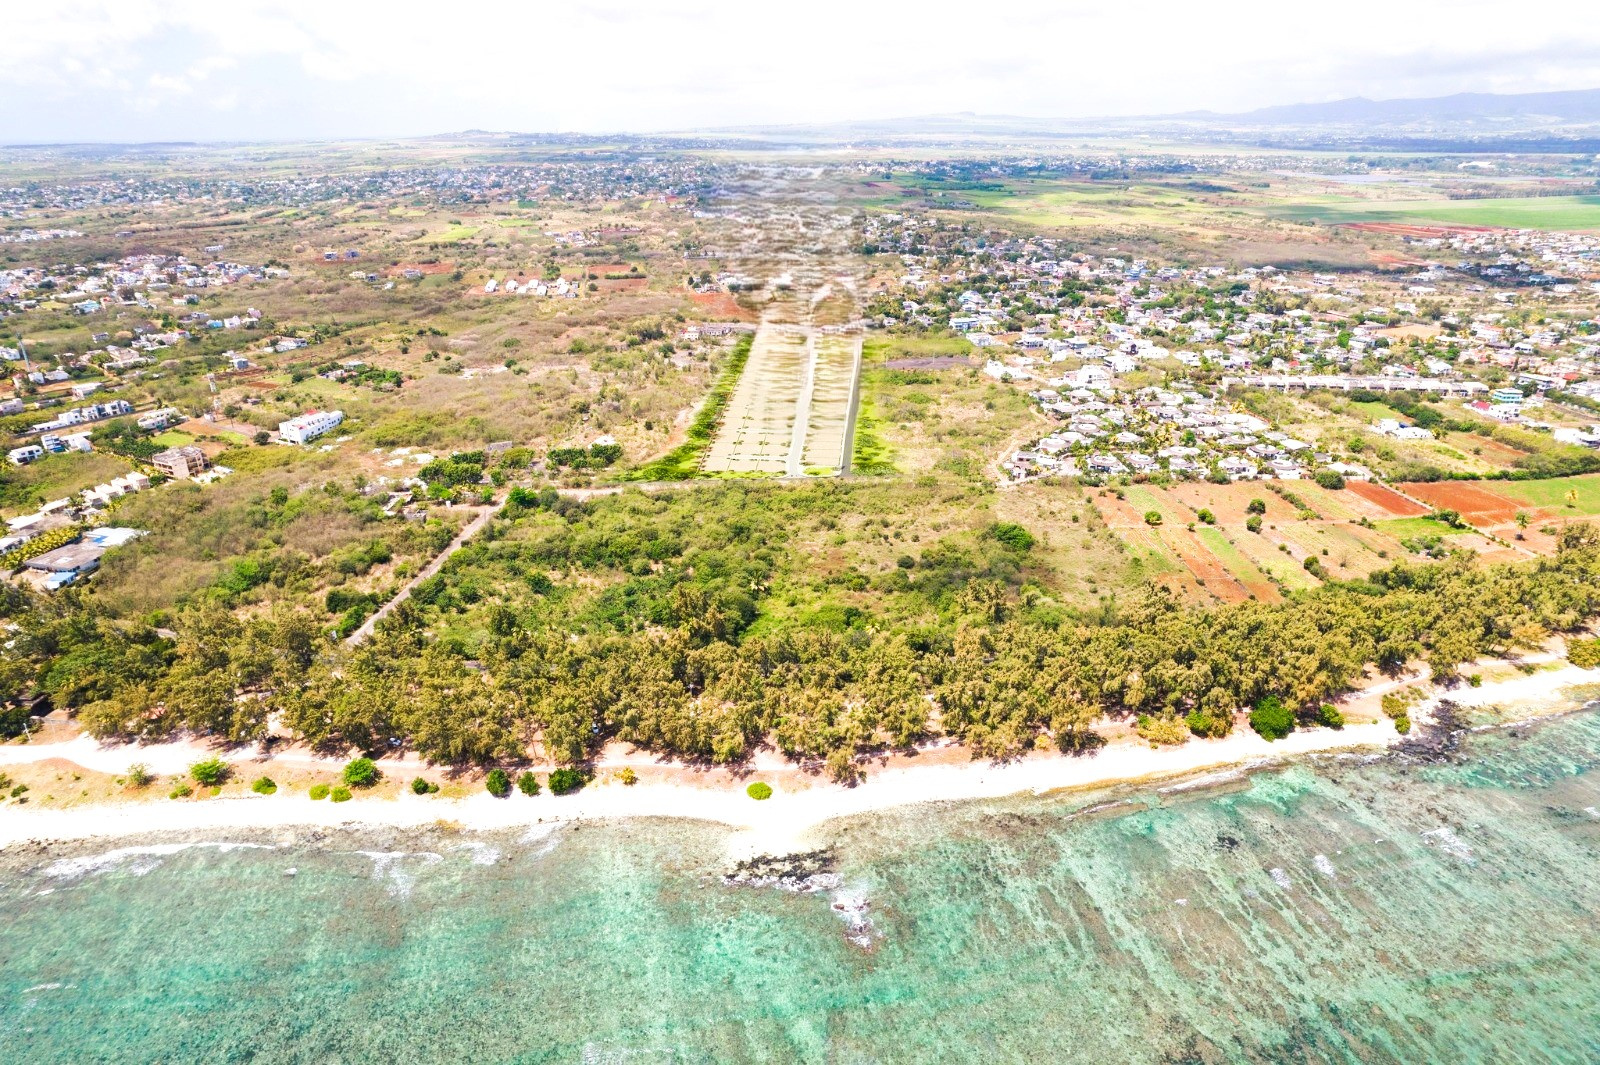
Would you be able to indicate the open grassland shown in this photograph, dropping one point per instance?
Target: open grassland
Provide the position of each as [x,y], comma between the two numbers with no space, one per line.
[935,412]
[24,488]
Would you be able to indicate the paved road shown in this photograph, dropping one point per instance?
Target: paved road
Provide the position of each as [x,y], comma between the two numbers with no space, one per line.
[471,529]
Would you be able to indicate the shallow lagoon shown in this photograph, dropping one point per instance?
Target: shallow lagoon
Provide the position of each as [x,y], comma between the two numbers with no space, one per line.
[1351,908]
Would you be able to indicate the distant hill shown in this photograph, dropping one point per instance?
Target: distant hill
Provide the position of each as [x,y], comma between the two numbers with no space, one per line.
[1536,108]
[1479,116]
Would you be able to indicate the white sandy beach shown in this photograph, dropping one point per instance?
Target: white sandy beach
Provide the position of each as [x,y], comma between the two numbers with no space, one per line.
[779,823]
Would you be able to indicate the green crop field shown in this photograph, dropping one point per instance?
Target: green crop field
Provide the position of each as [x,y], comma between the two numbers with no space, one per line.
[1553,493]
[1407,527]
[452,235]
[1533,212]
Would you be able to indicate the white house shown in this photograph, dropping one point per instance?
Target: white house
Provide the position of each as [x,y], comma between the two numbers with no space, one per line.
[308,426]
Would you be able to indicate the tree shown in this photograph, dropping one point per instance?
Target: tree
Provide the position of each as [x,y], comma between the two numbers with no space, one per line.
[497,783]
[1205,516]
[1257,506]
[1584,654]
[1253,523]
[361,773]
[528,784]
[1332,480]
[1152,517]
[1271,719]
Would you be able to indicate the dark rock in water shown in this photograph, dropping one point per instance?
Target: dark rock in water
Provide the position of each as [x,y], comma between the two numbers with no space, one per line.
[1436,743]
[806,871]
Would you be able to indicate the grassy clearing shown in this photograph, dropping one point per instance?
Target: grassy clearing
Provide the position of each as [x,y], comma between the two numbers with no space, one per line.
[683,461]
[173,438]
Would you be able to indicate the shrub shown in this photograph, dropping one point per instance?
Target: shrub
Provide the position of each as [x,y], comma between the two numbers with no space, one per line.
[180,791]
[1152,517]
[209,772]
[497,783]
[1402,724]
[361,773]
[422,787]
[1257,506]
[1332,480]
[1271,719]
[566,780]
[1205,516]
[759,791]
[341,794]
[1163,731]
[1207,724]
[1012,535]
[528,784]
[264,786]
[1585,654]
[139,775]
[628,776]
[1253,523]
[319,791]
[1328,716]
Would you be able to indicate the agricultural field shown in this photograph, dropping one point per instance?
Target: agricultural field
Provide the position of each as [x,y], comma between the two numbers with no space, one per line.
[1532,212]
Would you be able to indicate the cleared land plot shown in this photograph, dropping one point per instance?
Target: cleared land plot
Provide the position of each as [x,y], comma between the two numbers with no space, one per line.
[1262,550]
[758,427]
[833,387]
[1493,506]
[1246,572]
[1148,555]
[1468,500]
[1230,502]
[1382,501]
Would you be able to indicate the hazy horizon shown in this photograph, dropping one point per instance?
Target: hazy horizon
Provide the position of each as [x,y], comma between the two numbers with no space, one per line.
[138,71]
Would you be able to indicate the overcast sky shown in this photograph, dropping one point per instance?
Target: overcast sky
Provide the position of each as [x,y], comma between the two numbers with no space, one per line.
[142,70]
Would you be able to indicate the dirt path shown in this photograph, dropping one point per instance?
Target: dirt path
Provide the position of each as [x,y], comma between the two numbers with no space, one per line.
[472,528]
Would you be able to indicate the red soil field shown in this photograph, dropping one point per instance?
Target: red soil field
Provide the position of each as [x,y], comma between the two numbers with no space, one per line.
[1468,500]
[1386,499]
[721,307]
[1403,230]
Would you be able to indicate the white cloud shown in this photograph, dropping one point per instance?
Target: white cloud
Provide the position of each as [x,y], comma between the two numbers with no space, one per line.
[350,67]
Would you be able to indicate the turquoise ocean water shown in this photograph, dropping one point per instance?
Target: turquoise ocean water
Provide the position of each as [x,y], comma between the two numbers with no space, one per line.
[1352,909]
